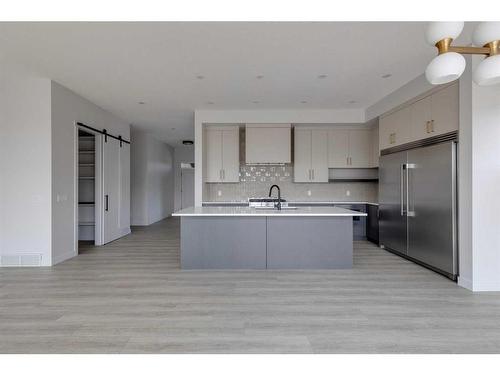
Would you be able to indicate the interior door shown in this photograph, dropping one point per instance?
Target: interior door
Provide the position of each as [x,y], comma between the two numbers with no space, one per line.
[111,189]
[302,156]
[392,198]
[431,218]
[124,206]
[187,187]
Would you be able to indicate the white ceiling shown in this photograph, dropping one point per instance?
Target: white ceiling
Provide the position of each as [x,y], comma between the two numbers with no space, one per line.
[117,65]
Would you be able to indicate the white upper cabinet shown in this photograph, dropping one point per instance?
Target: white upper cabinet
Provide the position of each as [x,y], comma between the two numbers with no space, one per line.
[311,155]
[222,154]
[394,129]
[338,148]
[319,155]
[302,156]
[268,144]
[231,155]
[435,114]
[213,155]
[445,113]
[360,148]
[421,118]
[350,148]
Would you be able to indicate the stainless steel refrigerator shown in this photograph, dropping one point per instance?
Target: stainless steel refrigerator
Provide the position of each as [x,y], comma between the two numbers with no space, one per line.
[418,205]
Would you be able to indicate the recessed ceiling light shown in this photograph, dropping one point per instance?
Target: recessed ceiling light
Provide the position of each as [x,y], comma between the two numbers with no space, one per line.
[172,128]
[200,77]
[387,75]
[260,76]
[352,101]
[303,101]
[255,102]
[210,103]
[322,76]
[142,102]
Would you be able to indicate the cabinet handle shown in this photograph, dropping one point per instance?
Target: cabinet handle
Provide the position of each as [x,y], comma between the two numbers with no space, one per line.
[220,174]
[347,160]
[313,174]
[107,202]
[309,174]
[427,127]
[224,174]
[432,126]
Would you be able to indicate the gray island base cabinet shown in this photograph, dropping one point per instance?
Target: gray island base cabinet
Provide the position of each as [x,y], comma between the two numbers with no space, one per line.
[274,241]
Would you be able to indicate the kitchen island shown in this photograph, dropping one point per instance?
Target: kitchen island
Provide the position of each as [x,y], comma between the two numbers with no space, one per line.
[250,238]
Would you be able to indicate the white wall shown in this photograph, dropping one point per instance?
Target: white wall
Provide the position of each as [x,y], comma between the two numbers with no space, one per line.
[25,164]
[152,179]
[182,154]
[68,108]
[480,179]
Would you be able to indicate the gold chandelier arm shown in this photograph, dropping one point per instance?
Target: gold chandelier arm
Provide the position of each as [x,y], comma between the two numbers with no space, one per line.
[492,48]
[470,50]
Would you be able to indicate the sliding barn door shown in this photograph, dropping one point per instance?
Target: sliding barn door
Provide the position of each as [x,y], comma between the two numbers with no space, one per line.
[124,215]
[111,189]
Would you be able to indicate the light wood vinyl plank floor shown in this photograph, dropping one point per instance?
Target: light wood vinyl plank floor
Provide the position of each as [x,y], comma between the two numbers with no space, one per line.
[130,296]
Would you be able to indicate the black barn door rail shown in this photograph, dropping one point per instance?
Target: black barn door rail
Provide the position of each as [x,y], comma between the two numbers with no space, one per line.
[105,133]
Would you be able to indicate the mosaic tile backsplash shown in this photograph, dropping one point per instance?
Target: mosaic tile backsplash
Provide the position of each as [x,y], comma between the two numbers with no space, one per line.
[255,181]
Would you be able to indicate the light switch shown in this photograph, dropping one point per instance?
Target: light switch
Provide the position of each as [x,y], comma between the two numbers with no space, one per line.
[348,193]
[309,193]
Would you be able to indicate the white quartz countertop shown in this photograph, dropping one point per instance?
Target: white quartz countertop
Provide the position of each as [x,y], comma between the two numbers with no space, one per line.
[213,203]
[248,211]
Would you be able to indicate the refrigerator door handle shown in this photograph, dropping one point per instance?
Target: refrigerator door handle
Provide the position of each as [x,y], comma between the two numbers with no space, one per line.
[409,212]
[402,189]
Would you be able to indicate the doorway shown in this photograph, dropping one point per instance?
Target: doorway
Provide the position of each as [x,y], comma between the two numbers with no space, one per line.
[187,185]
[88,189]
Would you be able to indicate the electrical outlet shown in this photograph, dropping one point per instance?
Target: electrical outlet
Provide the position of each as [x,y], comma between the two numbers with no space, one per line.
[309,193]
[219,193]
[348,193]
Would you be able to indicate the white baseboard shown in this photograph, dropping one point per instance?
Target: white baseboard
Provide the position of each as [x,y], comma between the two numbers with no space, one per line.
[480,286]
[62,257]
[487,286]
[464,282]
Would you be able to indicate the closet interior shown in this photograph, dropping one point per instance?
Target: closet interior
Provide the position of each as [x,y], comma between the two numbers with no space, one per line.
[86,186]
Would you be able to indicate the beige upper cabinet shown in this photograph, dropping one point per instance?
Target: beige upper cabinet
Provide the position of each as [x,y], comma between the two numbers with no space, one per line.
[444,109]
[394,129]
[338,148]
[421,118]
[268,143]
[360,148]
[432,115]
[349,148]
[311,155]
[222,154]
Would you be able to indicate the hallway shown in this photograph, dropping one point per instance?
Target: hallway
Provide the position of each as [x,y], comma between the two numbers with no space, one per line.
[131,297]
